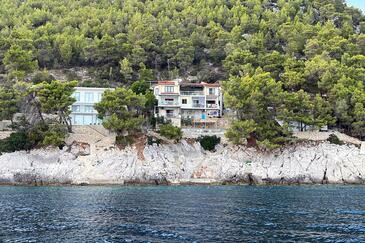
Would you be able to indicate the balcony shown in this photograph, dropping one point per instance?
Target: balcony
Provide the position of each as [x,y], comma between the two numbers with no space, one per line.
[213,106]
[212,97]
[168,103]
[168,93]
[171,115]
[199,105]
[192,93]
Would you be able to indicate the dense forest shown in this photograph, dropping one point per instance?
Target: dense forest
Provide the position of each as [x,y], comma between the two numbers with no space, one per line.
[299,60]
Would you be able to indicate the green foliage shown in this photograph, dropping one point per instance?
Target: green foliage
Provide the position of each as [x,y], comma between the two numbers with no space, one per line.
[141,40]
[334,139]
[124,140]
[46,134]
[209,142]
[18,62]
[310,50]
[15,142]
[153,140]
[56,98]
[240,130]
[36,100]
[55,136]
[142,87]
[257,99]
[121,111]
[9,103]
[42,76]
[171,132]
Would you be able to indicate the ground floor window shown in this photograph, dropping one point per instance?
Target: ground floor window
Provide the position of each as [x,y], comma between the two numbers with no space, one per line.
[85,120]
[169,113]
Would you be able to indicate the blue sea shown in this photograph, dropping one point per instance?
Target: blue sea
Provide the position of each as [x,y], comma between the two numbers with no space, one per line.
[183,214]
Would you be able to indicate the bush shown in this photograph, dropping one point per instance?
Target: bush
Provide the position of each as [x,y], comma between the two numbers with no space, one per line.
[55,136]
[186,121]
[171,132]
[209,142]
[162,120]
[334,139]
[17,141]
[124,140]
[152,140]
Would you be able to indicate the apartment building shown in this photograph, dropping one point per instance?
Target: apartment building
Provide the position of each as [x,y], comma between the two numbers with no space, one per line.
[82,111]
[179,100]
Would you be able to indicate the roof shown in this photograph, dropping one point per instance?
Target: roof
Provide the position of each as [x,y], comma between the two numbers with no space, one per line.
[166,82]
[211,84]
[191,85]
[93,88]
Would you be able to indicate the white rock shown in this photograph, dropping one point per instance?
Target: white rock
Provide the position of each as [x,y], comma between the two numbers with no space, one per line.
[186,163]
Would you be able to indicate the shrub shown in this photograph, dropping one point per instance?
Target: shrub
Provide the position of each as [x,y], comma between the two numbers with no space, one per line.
[124,140]
[162,120]
[171,132]
[209,142]
[17,141]
[152,140]
[334,139]
[55,136]
[187,121]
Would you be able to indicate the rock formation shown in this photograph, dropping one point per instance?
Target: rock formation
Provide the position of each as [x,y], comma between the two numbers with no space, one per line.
[184,163]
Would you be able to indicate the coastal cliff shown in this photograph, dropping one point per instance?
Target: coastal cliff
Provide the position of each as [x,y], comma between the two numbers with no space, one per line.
[185,163]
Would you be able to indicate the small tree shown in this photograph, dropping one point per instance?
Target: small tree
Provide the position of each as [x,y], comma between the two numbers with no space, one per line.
[171,132]
[209,142]
[256,99]
[9,100]
[142,87]
[121,111]
[18,62]
[56,98]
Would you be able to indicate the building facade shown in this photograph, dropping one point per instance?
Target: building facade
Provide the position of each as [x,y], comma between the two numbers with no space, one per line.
[179,101]
[82,111]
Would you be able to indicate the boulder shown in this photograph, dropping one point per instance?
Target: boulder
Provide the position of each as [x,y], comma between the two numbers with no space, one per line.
[79,149]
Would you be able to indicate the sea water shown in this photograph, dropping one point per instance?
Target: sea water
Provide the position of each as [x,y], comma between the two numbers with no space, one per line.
[182,214]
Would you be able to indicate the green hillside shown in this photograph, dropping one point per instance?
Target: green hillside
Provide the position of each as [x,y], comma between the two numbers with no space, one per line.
[297,60]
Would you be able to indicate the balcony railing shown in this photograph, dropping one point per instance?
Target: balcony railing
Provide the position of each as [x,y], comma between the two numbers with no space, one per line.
[191,93]
[169,115]
[198,105]
[164,102]
[212,106]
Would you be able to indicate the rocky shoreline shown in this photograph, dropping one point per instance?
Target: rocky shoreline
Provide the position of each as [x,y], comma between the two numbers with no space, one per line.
[184,164]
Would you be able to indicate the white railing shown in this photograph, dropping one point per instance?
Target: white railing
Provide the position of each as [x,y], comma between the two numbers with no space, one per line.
[164,102]
[191,93]
[198,105]
[212,106]
[171,115]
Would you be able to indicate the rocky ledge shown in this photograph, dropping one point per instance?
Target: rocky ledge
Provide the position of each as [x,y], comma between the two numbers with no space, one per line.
[184,163]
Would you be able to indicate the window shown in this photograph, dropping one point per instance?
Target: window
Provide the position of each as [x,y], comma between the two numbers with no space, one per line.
[88,109]
[75,108]
[211,91]
[169,113]
[184,101]
[99,97]
[169,89]
[89,97]
[77,96]
[79,119]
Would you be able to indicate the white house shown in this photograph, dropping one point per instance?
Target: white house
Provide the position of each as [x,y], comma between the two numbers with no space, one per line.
[178,100]
[82,111]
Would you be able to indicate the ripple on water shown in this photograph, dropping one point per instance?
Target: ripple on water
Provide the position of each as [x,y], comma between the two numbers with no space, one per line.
[182,214]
